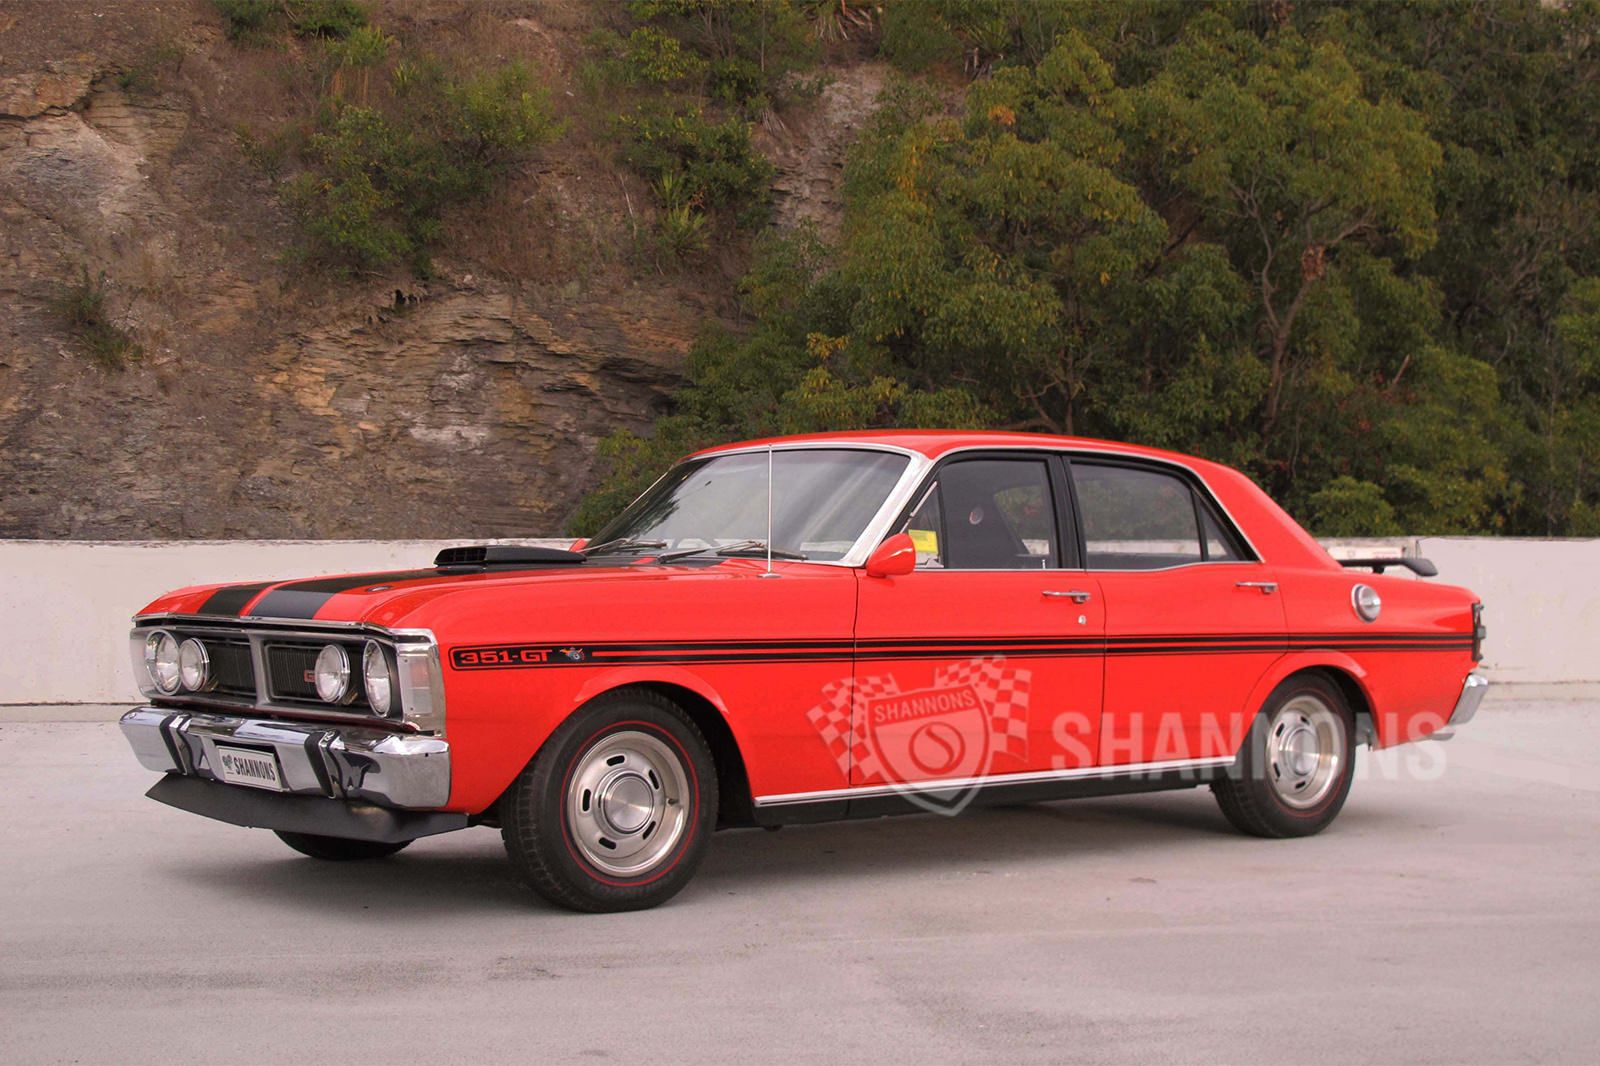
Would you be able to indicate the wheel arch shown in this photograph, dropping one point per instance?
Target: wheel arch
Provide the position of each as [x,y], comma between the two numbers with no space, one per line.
[736,803]
[1344,672]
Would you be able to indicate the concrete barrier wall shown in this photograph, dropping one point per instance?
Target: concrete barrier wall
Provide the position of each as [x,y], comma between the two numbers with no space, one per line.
[65,605]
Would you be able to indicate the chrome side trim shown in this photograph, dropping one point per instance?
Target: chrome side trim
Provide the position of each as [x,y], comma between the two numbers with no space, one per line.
[1032,777]
[390,769]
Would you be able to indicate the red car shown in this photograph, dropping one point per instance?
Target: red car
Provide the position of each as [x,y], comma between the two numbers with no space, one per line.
[803,629]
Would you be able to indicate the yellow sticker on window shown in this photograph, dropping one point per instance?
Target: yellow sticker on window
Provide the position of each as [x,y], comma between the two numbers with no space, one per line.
[926,541]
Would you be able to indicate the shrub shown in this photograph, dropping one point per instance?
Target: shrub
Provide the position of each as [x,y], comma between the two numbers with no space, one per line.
[376,186]
[267,153]
[916,36]
[681,232]
[715,161]
[736,51]
[259,21]
[249,20]
[653,56]
[82,307]
[145,74]
[337,19]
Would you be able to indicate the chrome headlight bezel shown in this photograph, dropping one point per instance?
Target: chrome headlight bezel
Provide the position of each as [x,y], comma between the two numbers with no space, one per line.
[161,662]
[378,679]
[332,674]
[194,666]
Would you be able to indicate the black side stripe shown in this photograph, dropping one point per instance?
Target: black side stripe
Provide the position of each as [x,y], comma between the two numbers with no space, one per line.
[934,644]
[506,657]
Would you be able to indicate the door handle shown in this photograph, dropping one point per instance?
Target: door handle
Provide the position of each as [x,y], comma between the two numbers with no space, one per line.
[1267,587]
[1075,595]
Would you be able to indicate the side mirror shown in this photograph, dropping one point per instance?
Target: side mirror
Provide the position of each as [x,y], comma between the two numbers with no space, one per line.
[895,557]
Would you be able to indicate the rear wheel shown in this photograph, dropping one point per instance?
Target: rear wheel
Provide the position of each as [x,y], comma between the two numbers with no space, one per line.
[338,849]
[1295,769]
[615,811]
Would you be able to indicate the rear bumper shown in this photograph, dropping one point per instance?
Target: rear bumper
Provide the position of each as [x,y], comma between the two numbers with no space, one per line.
[1473,689]
[394,770]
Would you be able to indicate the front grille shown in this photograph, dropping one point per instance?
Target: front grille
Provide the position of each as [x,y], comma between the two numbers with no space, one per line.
[290,671]
[231,666]
[291,674]
[287,663]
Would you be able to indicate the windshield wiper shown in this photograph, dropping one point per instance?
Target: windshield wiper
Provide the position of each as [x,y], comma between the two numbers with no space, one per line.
[622,544]
[742,547]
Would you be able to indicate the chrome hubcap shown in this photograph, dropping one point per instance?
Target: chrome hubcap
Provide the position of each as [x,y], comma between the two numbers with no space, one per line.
[627,803]
[1305,751]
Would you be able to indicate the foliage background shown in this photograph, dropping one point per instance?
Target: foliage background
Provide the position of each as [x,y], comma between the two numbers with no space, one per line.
[1351,249]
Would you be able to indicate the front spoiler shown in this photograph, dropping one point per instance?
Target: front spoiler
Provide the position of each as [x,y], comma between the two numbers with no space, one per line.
[289,813]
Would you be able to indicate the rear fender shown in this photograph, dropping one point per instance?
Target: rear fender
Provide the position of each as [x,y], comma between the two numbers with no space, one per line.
[1326,660]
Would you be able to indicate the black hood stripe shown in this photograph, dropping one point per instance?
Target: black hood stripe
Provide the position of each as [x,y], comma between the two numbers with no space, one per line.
[303,599]
[229,601]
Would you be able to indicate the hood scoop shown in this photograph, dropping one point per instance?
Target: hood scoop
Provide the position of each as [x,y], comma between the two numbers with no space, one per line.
[504,555]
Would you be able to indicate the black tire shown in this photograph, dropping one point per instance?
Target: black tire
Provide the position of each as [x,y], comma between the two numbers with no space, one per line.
[555,829]
[1263,795]
[338,849]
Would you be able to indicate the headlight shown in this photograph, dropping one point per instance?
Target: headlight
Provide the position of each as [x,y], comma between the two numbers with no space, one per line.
[1367,602]
[161,660]
[194,665]
[377,679]
[333,674]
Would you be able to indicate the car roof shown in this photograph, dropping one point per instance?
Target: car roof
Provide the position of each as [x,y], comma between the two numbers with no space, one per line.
[1275,536]
[934,443]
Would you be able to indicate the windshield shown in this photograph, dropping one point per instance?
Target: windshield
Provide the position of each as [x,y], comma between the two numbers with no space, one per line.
[822,500]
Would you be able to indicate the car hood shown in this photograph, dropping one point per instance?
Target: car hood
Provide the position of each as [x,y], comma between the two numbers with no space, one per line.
[387,597]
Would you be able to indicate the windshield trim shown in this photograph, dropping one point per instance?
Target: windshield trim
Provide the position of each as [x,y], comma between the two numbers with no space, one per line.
[917,465]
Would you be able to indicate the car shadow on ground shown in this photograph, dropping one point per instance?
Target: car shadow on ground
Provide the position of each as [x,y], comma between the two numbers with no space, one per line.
[466,873]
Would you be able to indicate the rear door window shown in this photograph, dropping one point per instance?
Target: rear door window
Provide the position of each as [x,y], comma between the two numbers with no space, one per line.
[1136,518]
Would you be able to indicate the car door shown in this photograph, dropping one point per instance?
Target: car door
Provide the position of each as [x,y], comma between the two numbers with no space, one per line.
[1193,620]
[986,660]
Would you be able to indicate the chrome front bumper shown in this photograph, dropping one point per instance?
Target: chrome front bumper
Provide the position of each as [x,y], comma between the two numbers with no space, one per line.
[1473,689]
[334,762]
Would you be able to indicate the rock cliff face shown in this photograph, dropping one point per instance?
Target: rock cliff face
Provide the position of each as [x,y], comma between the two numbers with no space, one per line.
[271,404]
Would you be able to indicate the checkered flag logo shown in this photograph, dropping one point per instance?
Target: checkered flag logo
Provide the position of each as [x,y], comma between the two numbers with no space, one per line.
[1002,690]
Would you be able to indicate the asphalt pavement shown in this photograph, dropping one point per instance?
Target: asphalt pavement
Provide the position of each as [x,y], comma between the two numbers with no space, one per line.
[1451,914]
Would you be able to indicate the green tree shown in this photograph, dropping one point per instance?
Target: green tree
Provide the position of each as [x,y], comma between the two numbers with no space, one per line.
[1348,248]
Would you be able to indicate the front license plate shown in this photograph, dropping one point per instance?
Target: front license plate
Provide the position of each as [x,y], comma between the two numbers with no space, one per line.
[241,766]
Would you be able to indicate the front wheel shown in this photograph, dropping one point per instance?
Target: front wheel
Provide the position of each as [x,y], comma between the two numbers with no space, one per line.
[615,811]
[1295,769]
[338,849]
